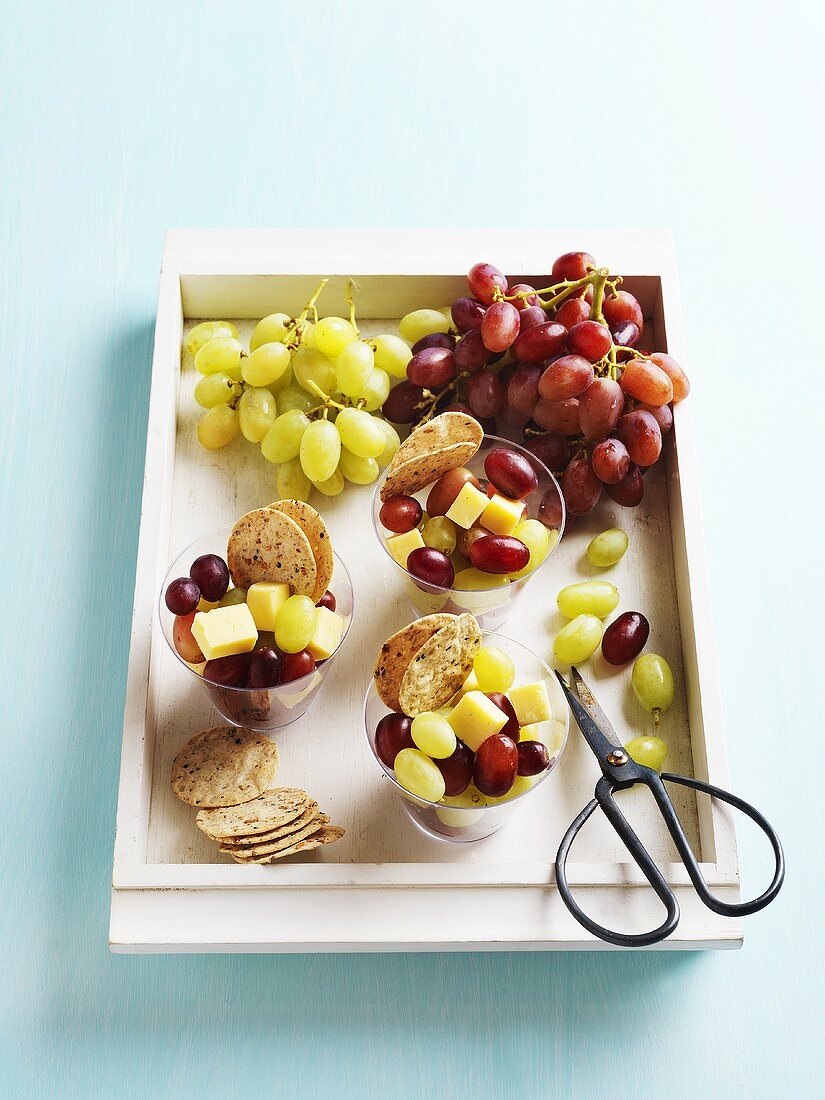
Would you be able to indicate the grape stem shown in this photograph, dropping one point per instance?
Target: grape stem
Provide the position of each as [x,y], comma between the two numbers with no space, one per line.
[352,285]
[327,402]
[297,324]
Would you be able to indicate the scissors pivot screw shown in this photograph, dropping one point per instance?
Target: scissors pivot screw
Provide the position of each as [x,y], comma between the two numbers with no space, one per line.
[617,757]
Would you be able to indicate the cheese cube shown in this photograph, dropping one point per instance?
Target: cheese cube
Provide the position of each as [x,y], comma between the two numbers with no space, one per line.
[401,546]
[475,718]
[467,506]
[265,599]
[470,684]
[224,631]
[531,703]
[329,626]
[502,515]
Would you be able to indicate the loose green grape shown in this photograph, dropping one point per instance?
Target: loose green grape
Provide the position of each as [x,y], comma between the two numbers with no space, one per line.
[283,440]
[652,683]
[269,330]
[433,734]
[295,624]
[331,335]
[493,668]
[417,774]
[220,356]
[392,355]
[219,427]
[578,640]
[265,365]
[536,537]
[391,445]
[320,450]
[376,389]
[607,548]
[650,752]
[256,413]
[588,598]
[332,486]
[310,366]
[354,365]
[360,471]
[422,322]
[360,433]
[233,596]
[209,330]
[216,389]
[440,534]
[292,483]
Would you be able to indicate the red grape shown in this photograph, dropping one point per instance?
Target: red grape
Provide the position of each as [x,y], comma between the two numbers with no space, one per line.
[510,472]
[627,334]
[524,303]
[533,757]
[610,461]
[623,306]
[484,393]
[662,414]
[447,488]
[512,416]
[401,406]
[566,377]
[600,407]
[496,765]
[523,388]
[497,554]
[184,640]
[558,416]
[550,448]
[467,314]
[590,339]
[532,316]
[646,382]
[630,490]
[431,566]
[182,596]
[500,326]
[457,769]
[483,279]
[400,514]
[392,734]
[465,539]
[432,368]
[296,665]
[550,509]
[540,342]
[211,574]
[572,265]
[678,378]
[503,703]
[228,671]
[573,312]
[264,667]
[470,353]
[327,600]
[640,433]
[581,487]
[625,638]
[434,340]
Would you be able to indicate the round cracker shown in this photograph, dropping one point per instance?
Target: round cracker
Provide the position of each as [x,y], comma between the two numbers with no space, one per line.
[440,666]
[246,842]
[224,766]
[271,810]
[313,526]
[397,652]
[268,848]
[266,545]
[442,444]
[327,834]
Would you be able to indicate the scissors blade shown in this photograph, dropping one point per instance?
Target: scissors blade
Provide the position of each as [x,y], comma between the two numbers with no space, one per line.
[588,701]
[597,730]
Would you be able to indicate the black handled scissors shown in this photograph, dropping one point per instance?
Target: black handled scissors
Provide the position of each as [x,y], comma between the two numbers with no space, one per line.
[619,772]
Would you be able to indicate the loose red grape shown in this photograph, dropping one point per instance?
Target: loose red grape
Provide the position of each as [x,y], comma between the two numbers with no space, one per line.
[640,433]
[265,667]
[531,317]
[184,640]
[431,566]
[457,769]
[646,382]
[581,487]
[470,353]
[590,339]
[678,378]
[483,280]
[572,266]
[484,393]
[434,340]
[327,600]
[524,303]
[432,368]
[533,757]
[211,574]
[623,306]
[540,342]
[503,703]
[500,326]
[182,596]
[625,638]
[400,514]
[558,416]
[467,314]
[296,665]
[662,414]
[498,554]
[600,407]
[523,388]
[392,734]
[447,488]
[567,377]
[630,490]
[228,671]
[401,407]
[496,765]
[573,312]
[610,461]
[510,472]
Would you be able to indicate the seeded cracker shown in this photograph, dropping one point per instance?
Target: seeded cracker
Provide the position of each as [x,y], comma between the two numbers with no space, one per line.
[447,441]
[313,526]
[397,653]
[245,842]
[224,766]
[266,545]
[272,846]
[440,667]
[270,811]
[325,835]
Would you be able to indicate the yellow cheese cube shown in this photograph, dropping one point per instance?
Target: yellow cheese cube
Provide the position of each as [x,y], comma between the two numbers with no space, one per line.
[467,506]
[531,703]
[265,599]
[401,546]
[475,718]
[224,631]
[470,684]
[502,515]
[329,626]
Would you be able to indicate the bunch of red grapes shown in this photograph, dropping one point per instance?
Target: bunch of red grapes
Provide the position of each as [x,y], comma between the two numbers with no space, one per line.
[561,363]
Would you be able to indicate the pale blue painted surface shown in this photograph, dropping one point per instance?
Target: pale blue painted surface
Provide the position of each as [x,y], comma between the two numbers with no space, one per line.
[121,120]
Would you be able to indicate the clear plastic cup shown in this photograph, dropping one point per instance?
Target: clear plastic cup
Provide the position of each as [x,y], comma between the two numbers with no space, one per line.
[492,605]
[263,709]
[482,816]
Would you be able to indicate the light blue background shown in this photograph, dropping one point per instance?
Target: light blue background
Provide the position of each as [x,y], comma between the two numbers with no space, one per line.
[120,120]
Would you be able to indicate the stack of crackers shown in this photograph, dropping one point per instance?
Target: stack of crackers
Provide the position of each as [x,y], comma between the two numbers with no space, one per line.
[286,542]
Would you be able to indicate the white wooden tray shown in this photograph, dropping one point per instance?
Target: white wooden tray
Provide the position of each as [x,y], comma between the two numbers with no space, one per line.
[386,886]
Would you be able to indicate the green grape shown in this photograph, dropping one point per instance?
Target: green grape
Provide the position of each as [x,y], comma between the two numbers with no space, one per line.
[391,444]
[331,335]
[360,471]
[360,433]
[222,355]
[309,365]
[307,337]
[332,486]
[269,330]
[320,450]
[440,534]
[293,397]
[283,440]
[219,427]
[295,624]
[209,330]
[353,368]
[215,389]
[536,537]
[433,734]
[422,322]
[474,580]
[588,598]
[392,355]
[417,774]
[265,365]
[493,668]
[257,410]
[578,640]
[292,483]
[280,384]
[233,596]
[607,548]
[650,752]
[652,683]
[376,389]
